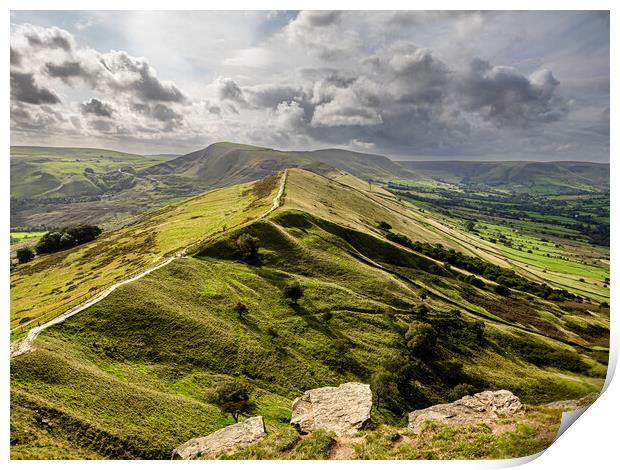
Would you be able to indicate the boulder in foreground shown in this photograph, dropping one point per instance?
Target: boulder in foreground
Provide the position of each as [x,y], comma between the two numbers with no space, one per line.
[343,410]
[235,436]
[484,407]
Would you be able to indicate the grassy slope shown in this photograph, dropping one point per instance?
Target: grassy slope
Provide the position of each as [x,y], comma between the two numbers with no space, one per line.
[59,171]
[53,283]
[543,177]
[159,343]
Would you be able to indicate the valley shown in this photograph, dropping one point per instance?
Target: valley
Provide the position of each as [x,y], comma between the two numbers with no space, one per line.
[161,341]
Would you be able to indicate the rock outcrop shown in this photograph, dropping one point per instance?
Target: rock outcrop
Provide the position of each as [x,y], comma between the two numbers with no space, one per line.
[484,407]
[343,410]
[235,436]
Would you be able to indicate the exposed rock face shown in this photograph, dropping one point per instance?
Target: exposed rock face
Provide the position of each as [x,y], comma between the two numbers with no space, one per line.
[231,437]
[483,407]
[343,410]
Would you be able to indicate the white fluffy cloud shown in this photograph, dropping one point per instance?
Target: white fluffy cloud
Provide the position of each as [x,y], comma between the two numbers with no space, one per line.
[402,83]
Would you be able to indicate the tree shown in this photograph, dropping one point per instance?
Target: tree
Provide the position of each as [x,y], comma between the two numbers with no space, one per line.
[383,385]
[67,241]
[25,254]
[241,309]
[502,290]
[293,291]
[49,243]
[421,339]
[247,246]
[470,225]
[384,226]
[421,310]
[231,397]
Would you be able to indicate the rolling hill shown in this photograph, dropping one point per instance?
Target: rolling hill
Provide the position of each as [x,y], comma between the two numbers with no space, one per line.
[56,186]
[127,377]
[543,177]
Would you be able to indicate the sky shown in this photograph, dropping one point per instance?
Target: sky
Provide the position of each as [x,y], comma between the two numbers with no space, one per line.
[409,84]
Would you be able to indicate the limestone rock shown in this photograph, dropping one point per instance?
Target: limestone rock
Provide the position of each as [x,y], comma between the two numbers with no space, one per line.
[231,437]
[343,410]
[484,407]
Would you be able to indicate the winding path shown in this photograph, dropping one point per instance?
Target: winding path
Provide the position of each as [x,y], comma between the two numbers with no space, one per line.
[25,344]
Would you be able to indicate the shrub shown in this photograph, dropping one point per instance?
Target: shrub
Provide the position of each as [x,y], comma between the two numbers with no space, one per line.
[241,309]
[68,237]
[67,241]
[327,316]
[247,246]
[421,338]
[421,310]
[384,226]
[502,290]
[293,291]
[231,397]
[383,386]
[25,254]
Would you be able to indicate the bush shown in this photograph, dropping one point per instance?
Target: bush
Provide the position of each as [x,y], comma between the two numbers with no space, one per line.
[384,226]
[421,310]
[502,290]
[25,254]
[241,309]
[327,316]
[421,339]
[247,246]
[231,397]
[67,241]
[383,386]
[293,291]
[68,237]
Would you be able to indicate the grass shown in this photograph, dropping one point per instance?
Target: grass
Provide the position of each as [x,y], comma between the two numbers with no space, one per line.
[53,283]
[59,171]
[127,377]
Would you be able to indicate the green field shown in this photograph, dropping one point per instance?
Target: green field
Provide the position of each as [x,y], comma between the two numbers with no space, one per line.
[51,284]
[127,378]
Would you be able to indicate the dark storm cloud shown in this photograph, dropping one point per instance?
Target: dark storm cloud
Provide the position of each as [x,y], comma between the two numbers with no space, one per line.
[321,18]
[271,95]
[24,89]
[66,70]
[33,119]
[507,97]
[97,107]
[16,57]
[159,111]
[135,75]
[228,90]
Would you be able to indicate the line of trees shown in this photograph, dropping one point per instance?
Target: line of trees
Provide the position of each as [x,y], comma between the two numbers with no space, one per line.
[505,277]
[67,237]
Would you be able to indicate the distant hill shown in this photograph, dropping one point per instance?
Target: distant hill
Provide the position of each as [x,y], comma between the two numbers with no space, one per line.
[543,177]
[61,172]
[226,163]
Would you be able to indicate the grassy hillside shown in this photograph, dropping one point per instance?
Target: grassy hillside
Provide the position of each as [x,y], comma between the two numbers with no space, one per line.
[537,177]
[57,172]
[127,378]
[53,283]
[226,163]
[55,186]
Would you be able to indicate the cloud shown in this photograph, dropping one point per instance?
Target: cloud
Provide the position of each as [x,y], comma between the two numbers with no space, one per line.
[135,75]
[16,57]
[401,83]
[228,90]
[47,38]
[66,70]
[505,96]
[97,107]
[24,89]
